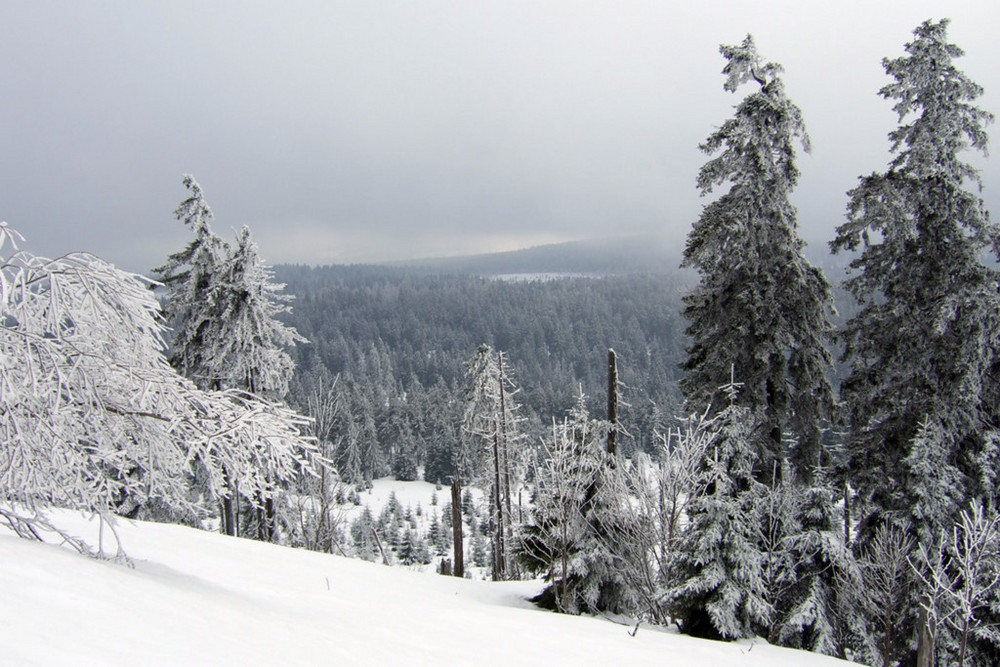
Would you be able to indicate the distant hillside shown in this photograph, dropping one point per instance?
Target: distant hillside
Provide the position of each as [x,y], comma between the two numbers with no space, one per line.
[629,255]
[611,256]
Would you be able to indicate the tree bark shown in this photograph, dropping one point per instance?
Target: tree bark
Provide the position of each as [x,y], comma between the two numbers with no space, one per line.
[498,555]
[456,527]
[612,402]
[925,638]
[506,511]
[228,511]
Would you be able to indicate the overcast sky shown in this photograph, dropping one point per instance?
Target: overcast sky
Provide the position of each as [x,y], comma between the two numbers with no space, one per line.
[365,130]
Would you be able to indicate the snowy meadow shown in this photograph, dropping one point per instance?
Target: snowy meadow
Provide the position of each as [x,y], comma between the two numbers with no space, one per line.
[190,597]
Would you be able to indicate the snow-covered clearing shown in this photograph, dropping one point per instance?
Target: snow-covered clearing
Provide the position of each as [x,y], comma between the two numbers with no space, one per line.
[199,598]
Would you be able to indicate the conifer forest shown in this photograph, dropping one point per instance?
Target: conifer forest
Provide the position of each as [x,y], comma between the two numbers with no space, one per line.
[743,442]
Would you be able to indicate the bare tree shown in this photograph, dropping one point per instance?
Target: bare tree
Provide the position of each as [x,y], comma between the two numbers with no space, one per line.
[664,485]
[491,419]
[887,577]
[961,574]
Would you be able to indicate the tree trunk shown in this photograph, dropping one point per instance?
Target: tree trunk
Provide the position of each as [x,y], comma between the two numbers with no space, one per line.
[925,637]
[965,641]
[456,527]
[378,542]
[498,555]
[847,513]
[265,517]
[887,640]
[774,435]
[228,511]
[612,403]
[506,512]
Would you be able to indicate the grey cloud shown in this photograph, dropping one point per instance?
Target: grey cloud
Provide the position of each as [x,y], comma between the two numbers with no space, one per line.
[348,131]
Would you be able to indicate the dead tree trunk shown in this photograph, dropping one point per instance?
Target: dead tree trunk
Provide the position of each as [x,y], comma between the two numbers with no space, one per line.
[456,527]
[612,403]
[925,638]
[228,510]
[498,555]
[506,513]
[378,542]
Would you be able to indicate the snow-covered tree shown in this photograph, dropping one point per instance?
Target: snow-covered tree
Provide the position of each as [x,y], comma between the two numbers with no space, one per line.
[223,306]
[921,401]
[550,543]
[759,307]
[664,485]
[93,414]
[924,349]
[581,534]
[807,611]
[491,420]
[191,277]
[718,575]
[247,345]
[887,586]
[962,574]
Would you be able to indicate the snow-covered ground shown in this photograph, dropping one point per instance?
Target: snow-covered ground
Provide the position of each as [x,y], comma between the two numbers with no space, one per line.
[197,598]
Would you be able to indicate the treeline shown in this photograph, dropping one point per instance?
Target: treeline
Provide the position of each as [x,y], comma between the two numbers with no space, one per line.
[402,332]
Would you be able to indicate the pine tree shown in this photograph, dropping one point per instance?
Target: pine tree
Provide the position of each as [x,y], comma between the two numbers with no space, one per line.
[760,308]
[922,395]
[191,278]
[719,580]
[580,534]
[247,345]
[362,537]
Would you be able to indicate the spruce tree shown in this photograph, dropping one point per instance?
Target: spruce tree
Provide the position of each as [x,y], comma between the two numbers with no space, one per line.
[247,342]
[580,534]
[718,576]
[808,614]
[922,396]
[191,278]
[760,308]
[223,306]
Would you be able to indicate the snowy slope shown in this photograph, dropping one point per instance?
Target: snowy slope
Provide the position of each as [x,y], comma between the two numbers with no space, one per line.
[199,598]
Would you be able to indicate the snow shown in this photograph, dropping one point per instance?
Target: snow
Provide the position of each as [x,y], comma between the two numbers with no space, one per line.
[198,598]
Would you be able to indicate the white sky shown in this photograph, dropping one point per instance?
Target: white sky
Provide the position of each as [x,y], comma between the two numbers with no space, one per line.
[345,131]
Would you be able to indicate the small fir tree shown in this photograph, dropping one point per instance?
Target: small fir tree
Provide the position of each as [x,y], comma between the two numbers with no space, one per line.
[581,534]
[719,581]
[809,607]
